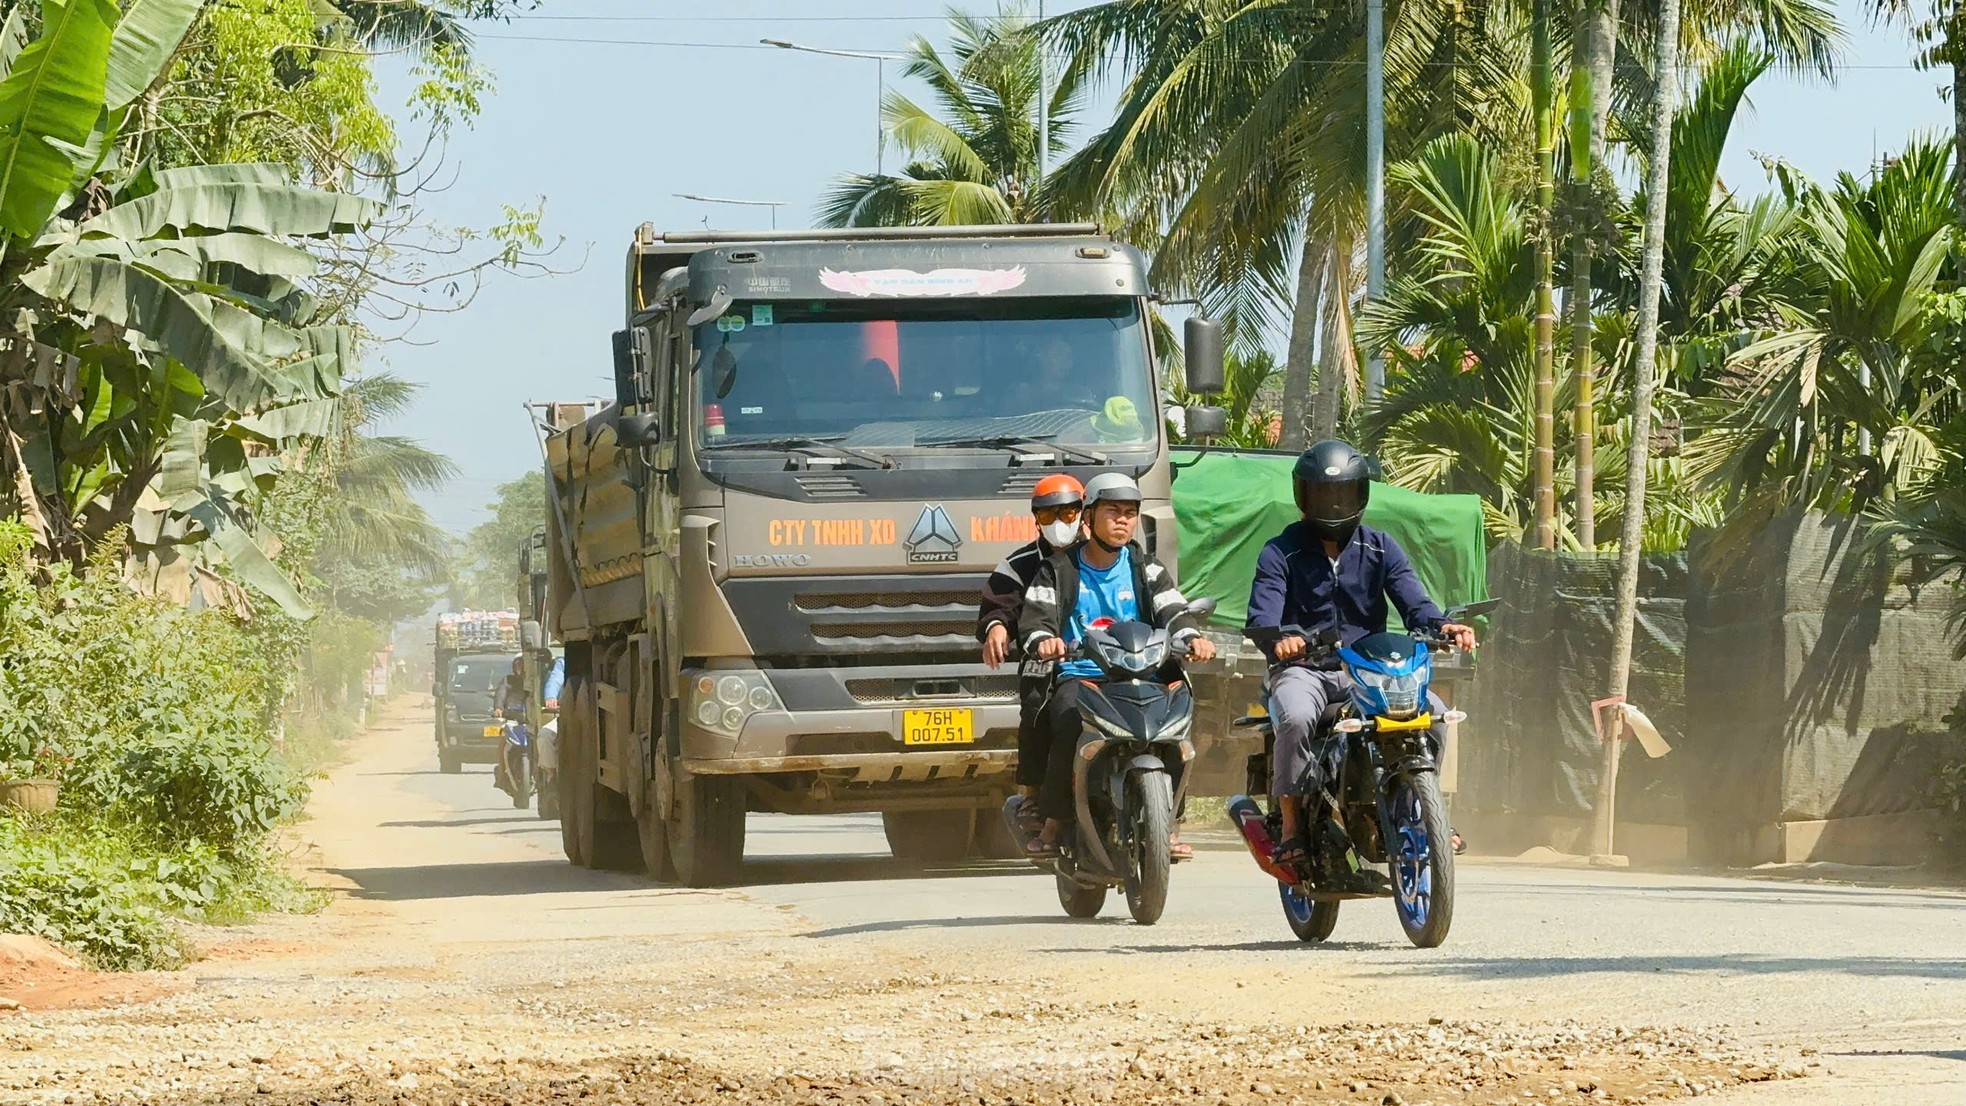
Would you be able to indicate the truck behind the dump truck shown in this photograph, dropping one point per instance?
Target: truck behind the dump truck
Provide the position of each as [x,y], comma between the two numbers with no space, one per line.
[473,654]
[767,553]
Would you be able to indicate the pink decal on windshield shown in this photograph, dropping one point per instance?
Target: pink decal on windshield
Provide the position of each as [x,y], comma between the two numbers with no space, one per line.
[907,282]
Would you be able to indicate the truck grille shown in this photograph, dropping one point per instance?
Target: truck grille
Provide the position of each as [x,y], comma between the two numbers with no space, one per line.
[917,602]
[929,632]
[866,616]
[986,689]
[831,486]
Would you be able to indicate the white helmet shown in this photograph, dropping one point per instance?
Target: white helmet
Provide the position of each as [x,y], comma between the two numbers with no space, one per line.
[1111,487]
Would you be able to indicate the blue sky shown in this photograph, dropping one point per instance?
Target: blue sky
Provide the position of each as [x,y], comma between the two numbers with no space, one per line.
[608,129]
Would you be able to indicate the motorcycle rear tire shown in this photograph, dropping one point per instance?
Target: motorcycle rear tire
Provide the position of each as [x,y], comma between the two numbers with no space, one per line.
[1310,921]
[521,780]
[1151,796]
[1422,859]
[1079,900]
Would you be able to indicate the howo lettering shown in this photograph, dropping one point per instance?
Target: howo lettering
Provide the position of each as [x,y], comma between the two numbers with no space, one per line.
[768,550]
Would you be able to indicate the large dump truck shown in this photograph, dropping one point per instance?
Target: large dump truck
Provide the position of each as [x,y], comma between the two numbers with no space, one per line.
[766,553]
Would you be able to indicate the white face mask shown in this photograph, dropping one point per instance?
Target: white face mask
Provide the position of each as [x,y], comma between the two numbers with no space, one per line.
[1060,533]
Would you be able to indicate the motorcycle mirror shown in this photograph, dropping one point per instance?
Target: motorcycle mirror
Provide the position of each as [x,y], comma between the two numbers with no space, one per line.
[1473,610]
[1203,607]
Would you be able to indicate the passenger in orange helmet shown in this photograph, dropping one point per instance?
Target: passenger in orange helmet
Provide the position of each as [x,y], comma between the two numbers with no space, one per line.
[1056,503]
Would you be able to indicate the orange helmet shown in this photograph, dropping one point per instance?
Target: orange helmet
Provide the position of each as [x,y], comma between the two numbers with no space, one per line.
[1057,490]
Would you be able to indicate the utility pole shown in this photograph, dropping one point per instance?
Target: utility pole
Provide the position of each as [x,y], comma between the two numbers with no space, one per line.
[1375,182]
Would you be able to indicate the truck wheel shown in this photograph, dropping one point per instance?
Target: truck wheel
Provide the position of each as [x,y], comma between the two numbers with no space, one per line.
[576,780]
[651,827]
[930,836]
[706,834]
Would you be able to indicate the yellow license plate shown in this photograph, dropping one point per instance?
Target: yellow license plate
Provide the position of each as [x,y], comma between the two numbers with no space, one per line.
[938,727]
[493,731]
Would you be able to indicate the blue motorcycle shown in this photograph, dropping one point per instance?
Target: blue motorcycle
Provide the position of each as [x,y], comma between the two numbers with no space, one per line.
[1385,805]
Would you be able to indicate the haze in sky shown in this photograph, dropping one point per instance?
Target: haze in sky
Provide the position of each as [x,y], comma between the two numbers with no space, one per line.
[607,108]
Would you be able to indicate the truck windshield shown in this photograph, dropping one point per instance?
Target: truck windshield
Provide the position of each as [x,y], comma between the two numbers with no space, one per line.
[479,673]
[899,374]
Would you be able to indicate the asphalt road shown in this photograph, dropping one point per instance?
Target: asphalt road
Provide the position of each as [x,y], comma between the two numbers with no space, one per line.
[1874,978]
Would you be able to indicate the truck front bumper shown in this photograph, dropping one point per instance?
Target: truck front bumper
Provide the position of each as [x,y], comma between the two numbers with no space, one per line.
[849,722]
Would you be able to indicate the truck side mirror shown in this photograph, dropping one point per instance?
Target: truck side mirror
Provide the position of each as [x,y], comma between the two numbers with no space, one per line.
[1206,422]
[628,365]
[637,430]
[1203,346]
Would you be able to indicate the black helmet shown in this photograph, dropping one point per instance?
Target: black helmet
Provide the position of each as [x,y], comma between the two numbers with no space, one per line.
[1333,481]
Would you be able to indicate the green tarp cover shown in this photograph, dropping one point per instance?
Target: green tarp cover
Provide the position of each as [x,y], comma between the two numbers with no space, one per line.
[1227,504]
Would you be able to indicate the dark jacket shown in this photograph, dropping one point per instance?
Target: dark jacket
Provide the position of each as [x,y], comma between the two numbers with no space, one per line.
[1054,594]
[1003,592]
[1295,585]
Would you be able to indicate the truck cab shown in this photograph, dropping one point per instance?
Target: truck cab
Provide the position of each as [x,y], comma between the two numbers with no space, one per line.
[768,551]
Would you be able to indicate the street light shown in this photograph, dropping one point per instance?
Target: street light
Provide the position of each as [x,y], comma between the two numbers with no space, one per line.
[774,205]
[880,82]
[1375,182]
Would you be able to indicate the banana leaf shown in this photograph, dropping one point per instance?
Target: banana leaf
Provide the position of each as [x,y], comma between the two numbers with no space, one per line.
[143,44]
[49,106]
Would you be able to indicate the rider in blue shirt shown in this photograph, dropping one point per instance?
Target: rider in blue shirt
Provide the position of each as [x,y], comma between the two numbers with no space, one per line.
[1106,576]
[1328,571]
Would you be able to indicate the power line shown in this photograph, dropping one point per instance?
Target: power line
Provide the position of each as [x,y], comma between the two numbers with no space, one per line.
[1326,63]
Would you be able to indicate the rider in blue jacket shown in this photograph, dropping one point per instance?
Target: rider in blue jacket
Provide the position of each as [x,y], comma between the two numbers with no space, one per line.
[1328,570]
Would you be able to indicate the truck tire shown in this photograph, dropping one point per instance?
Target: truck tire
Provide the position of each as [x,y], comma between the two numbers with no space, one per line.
[576,770]
[706,834]
[929,836]
[588,835]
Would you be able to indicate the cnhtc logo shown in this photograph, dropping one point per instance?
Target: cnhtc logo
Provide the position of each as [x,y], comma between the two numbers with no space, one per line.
[934,540]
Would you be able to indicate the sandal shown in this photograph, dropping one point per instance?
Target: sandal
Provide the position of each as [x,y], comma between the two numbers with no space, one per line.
[1037,848]
[1460,844]
[1177,851]
[1292,853]
[1027,817]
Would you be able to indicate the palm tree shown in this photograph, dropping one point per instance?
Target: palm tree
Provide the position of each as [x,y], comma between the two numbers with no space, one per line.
[974,160]
[1837,406]
[372,514]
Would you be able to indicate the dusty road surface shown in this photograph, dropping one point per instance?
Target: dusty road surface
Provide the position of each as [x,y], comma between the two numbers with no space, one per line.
[464,962]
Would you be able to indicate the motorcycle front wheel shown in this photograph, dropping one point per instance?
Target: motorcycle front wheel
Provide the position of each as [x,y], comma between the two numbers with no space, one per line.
[1310,921]
[1151,795]
[1422,856]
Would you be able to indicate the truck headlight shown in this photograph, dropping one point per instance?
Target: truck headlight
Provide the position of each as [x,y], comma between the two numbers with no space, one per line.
[721,701]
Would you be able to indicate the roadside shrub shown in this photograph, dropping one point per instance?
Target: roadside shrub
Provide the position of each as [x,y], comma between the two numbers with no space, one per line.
[162,716]
[75,890]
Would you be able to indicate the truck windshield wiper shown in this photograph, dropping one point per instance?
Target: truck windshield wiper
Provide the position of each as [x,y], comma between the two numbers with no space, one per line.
[812,447]
[1023,443]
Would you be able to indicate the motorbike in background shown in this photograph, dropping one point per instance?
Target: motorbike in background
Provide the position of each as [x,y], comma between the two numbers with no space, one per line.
[513,773]
[1138,714]
[1385,806]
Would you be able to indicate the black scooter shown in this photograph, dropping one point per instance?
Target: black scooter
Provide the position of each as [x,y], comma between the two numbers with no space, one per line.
[1138,714]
